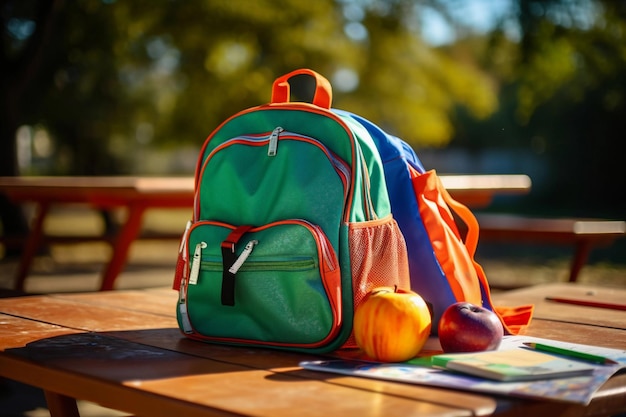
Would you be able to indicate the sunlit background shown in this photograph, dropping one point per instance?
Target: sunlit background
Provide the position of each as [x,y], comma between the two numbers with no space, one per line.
[133,87]
[97,87]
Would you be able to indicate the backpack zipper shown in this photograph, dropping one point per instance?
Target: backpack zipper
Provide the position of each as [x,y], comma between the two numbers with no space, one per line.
[273,141]
[340,166]
[328,264]
[182,307]
[195,263]
[243,256]
[287,107]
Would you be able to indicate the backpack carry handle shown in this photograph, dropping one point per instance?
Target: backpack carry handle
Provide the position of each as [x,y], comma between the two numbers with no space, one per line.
[322,96]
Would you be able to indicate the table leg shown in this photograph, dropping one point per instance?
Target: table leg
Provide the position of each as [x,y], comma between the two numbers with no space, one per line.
[127,234]
[580,259]
[32,244]
[61,405]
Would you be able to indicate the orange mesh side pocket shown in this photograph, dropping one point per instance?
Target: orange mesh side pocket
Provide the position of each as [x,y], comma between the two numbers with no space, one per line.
[378,258]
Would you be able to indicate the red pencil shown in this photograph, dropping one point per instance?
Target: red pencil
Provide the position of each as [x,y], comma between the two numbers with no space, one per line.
[588,303]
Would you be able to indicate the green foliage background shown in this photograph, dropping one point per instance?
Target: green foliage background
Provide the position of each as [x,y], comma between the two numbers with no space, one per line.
[108,78]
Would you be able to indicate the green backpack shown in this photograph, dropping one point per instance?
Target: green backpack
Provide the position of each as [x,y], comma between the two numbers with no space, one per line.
[291,228]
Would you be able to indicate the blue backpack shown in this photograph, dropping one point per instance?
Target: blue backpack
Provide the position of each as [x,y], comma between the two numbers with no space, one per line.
[441,263]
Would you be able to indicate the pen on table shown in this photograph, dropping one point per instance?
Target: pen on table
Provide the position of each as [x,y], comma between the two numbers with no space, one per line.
[588,303]
[571,353]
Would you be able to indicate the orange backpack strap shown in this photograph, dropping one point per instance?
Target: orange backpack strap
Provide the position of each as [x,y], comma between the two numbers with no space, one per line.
[465,276]
[465,214]
[454,258]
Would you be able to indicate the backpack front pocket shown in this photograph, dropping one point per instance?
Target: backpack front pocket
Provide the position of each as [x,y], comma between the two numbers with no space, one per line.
[274,176]
[277,285]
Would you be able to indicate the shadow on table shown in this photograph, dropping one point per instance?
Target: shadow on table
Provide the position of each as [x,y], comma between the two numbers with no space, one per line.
[17,399]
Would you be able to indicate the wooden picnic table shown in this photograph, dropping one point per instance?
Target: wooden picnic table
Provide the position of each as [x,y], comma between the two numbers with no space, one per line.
[123,350]
[138,194]
[135,194]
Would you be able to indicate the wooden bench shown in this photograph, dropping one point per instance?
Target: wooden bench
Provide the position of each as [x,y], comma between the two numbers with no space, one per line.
[584,234]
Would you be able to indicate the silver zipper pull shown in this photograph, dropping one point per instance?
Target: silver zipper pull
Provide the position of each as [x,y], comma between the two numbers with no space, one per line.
[184,318]
[242,258]
[195,263]
[273,145]
[182,308]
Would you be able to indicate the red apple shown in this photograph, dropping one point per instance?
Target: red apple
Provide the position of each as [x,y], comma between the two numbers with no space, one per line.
[465,327]
[391,324]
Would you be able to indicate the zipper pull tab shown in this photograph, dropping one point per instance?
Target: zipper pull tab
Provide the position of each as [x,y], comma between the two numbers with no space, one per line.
[273,145]
[182,309]
[242,258]
[184,318]
[195,263]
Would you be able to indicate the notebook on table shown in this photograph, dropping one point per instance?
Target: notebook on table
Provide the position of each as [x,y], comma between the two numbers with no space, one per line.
[512,365]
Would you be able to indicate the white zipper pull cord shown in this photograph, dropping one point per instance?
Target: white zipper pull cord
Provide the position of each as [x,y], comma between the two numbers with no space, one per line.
[195,263]
[242,258]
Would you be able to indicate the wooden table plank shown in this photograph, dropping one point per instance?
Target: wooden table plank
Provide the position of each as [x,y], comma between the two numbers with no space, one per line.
[133,371]
[259,393]
[159,303]
[478,191]
[125,351]
[570,332]
[101,190]
[564,312]
[80,316]
[56,350]
[118,189]
[287,362]
[17,332]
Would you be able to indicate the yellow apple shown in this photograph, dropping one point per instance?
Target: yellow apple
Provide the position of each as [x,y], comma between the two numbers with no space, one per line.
[391,324]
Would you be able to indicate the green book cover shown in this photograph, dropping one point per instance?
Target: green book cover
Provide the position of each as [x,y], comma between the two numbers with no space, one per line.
[512,365]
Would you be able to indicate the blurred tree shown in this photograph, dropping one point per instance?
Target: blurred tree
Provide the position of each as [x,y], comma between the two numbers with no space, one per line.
[410,87]
[106,77]
[24,50]
[27,36]
[562,83]
[572,93]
